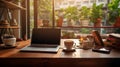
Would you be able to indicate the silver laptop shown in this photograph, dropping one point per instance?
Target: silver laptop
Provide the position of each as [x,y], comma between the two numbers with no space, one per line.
[44,40]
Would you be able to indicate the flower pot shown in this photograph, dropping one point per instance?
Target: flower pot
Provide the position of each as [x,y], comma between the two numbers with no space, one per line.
[59,22]
[117,23]
[97,23]
[45,23]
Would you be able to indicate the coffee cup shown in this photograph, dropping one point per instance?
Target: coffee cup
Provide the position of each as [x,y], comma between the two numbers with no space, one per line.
[69,44]
[9,41]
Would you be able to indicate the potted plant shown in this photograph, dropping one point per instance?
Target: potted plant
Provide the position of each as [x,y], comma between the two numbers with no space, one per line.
[59,17]
[84,16]
[71,14]
[68,34]
[96,14]
[114,13]
[45,23]
[59,20]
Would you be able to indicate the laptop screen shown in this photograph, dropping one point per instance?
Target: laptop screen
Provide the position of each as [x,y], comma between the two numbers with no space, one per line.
[46,36]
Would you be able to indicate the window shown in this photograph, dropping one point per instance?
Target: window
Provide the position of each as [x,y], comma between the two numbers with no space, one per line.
[85,2]
[92,1]
[44,13]
[71,2]
[71,19]
[31,15]
[100,0]
[78,2]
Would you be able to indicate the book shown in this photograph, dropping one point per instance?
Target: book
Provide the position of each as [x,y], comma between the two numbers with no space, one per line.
[114,39]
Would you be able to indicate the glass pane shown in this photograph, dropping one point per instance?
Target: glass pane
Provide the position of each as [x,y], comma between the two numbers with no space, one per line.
[89,13]
[31,16]
[78,32]
[80,12]
[76,17]
[44,13]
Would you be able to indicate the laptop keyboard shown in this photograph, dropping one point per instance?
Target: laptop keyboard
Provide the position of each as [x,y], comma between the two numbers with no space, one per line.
[44,46]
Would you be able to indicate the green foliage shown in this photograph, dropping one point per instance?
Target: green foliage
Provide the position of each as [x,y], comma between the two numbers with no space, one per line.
[114,11]
[85,30]
[68,34]
[71,13]
[57,13]
[45,8]
[84,13]
[96,12]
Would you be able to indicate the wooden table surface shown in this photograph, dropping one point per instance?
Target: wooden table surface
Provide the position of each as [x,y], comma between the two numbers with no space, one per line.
[84,57]
[79,53]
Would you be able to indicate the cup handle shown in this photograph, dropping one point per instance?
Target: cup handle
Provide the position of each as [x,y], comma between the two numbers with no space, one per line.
[74,45]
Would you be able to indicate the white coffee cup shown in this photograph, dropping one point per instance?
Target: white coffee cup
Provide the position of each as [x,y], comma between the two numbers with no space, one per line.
[69,44]
[9,41]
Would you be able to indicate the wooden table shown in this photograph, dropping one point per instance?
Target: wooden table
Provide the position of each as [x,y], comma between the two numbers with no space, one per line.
[87,58]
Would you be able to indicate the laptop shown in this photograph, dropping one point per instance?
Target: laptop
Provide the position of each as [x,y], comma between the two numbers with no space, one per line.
[44,40]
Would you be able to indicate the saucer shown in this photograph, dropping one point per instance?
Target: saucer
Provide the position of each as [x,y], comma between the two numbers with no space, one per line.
[7,47]
[72,50]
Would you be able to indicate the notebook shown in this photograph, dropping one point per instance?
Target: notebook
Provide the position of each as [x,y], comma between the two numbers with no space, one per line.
[44,40]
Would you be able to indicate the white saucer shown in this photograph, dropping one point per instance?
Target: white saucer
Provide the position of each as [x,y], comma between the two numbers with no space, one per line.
[7,47]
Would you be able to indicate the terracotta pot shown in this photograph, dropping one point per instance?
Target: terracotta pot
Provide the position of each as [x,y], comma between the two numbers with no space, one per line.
[97,23]
[59,22]
[117,23]
[45,23]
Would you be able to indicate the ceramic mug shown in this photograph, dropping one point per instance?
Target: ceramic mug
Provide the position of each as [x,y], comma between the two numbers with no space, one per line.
[9,41]
[69,44]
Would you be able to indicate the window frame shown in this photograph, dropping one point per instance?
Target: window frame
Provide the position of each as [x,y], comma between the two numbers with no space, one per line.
[53,19]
